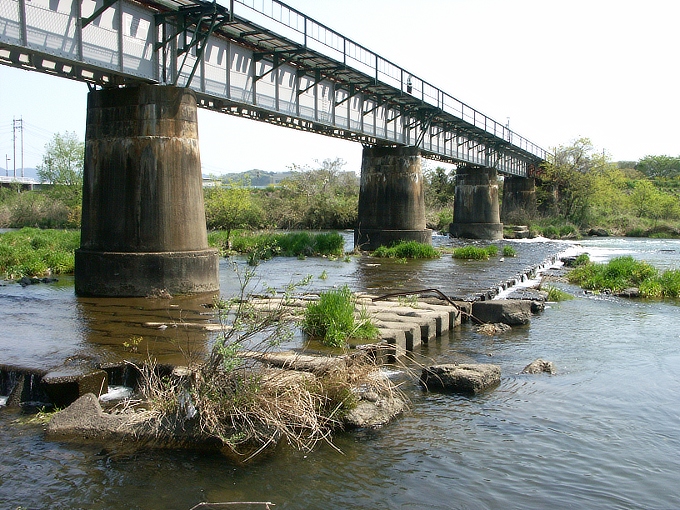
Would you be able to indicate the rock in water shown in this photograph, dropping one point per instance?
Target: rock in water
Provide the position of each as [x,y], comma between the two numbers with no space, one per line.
[461,378]
[539,366]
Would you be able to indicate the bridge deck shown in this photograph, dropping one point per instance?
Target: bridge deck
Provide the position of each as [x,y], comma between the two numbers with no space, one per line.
[258,59]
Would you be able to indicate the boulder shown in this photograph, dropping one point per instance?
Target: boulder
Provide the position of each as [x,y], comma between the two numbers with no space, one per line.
[630,292]
[598,232]
[374,411]
[539,366]
[513,312]
[461,378]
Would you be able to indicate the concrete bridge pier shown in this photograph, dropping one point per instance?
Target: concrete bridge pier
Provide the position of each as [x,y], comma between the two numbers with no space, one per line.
[143,226]
[391,198]
[476,212]
[519,199]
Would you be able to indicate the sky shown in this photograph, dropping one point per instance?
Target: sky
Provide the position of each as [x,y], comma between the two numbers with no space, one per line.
[557,70]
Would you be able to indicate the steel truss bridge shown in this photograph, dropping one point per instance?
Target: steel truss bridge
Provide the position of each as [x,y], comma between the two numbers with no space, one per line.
[259,59]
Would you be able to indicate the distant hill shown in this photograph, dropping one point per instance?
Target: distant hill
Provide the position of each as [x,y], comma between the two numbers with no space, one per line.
[257,178]
[31,173]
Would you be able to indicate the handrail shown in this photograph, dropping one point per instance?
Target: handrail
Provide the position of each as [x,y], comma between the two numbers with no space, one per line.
[312,33]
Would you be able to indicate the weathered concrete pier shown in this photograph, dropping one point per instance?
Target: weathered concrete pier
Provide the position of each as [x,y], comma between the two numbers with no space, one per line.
[391,198]
[519,199]
[476,213]
[143,226]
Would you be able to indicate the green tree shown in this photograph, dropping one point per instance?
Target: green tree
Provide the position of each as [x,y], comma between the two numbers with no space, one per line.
[62,166]
[322,197]
[440,187]
[231,206]
[659,166]
[568,179]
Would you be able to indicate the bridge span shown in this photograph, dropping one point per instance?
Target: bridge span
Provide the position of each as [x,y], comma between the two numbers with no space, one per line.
[147,61]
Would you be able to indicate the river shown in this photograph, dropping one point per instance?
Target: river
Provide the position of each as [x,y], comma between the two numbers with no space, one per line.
[601,433]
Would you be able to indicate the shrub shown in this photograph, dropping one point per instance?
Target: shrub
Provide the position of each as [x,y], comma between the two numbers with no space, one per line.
[665,285]
[551,232]
[332,319]
[407,250]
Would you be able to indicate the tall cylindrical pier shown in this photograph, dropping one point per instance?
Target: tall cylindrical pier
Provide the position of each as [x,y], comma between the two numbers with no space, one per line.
[143,226]
[476,212]
[519,199]
[391,198]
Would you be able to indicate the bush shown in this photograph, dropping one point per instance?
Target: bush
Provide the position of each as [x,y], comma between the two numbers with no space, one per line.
[475,252]
[407,250]
[550,232]
[332,319]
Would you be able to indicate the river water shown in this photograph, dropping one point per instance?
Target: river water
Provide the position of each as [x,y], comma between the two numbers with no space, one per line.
[601,433]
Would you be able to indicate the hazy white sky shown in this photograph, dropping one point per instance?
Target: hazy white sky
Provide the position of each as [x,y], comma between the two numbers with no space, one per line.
[558,69]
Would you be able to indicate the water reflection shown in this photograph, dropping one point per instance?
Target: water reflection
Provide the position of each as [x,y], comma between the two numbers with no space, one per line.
[173,330]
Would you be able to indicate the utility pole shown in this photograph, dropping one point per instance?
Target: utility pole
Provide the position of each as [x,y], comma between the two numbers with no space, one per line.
[6,165]
[18,124]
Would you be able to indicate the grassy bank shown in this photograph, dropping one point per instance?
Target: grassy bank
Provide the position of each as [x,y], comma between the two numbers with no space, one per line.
[265,245]
[35,252]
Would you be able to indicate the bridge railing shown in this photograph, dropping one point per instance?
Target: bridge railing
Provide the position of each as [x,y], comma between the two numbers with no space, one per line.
[304,30]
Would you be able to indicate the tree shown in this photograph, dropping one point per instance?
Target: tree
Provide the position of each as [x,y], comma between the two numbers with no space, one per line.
[231,206]
[62,166]
[659,166]
[440,187]
[322,197]
[570,178]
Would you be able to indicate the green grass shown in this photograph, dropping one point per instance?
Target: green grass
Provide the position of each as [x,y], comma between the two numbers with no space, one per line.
[332,319]
[555,295]
[666,285]
[475,252]
[263,246]
[582,260]
[35,252]
[624,272]
[407,250]
[509,251]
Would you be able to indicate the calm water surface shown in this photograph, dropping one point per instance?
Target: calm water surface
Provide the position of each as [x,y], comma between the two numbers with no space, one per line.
[602,433]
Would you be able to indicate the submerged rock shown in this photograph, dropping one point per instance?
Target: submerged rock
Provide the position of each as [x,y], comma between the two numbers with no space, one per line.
[539,366]
[493,329]
[461,378]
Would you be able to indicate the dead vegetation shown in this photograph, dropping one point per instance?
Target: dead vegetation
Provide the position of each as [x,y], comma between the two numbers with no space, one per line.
[248,398]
